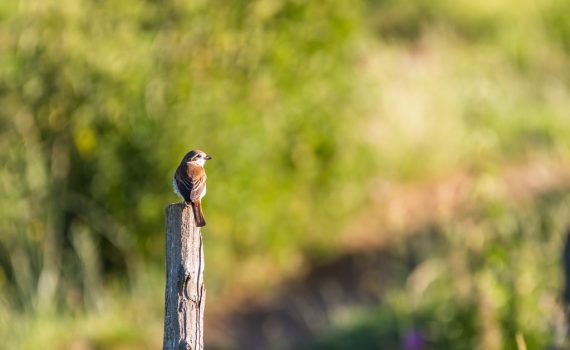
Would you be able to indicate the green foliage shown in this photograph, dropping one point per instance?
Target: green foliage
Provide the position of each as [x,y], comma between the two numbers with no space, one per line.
[558,24]
[479,282]
[301,105]
[102,99]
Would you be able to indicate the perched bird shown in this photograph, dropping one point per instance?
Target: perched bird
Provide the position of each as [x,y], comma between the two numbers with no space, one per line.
[190,182]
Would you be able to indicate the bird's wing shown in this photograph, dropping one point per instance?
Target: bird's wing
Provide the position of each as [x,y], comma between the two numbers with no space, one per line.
[198,176]
[183,181]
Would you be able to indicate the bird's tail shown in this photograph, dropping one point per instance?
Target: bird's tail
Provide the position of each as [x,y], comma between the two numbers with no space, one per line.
[198,215]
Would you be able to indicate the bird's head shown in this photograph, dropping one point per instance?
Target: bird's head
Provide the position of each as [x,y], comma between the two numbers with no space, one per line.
[197,156]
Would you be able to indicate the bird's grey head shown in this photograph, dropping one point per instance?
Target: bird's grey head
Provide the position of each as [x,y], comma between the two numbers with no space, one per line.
[197,156]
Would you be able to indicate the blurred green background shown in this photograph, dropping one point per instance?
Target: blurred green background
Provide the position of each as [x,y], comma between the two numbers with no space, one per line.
[330,124]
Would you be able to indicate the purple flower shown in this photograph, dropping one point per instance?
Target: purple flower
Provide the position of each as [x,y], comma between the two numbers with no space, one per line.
[413,340]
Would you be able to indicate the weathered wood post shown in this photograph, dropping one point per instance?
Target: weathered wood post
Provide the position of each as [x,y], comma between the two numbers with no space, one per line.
[185,294]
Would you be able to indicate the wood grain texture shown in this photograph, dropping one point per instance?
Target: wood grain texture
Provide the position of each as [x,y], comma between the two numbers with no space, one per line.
[185,293]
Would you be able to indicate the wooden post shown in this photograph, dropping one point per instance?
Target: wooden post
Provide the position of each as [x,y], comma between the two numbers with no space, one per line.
[185,294]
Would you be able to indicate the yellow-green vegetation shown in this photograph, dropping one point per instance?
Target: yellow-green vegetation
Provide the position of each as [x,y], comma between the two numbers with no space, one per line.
[302,105]
[479,282]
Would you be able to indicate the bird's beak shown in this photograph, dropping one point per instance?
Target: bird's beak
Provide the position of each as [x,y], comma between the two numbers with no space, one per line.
[208,157]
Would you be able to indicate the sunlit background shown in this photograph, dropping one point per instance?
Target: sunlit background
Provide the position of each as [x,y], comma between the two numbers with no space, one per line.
[386,175]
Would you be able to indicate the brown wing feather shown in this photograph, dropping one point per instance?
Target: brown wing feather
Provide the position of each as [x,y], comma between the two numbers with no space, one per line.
[183,182]
[191,181]
[198,178]
[182,179]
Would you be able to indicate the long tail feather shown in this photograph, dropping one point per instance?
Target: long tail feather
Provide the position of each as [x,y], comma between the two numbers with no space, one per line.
[198,215]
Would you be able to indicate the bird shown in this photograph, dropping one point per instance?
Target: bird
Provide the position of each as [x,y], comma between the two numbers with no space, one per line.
[190,182]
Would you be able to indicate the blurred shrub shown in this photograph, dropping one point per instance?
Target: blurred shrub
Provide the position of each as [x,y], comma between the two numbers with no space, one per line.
[480,282]
[557,21]
[101,99]
[408,20]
